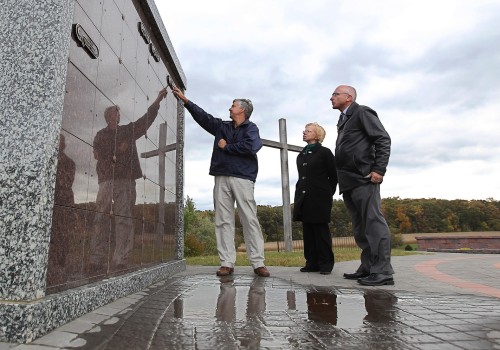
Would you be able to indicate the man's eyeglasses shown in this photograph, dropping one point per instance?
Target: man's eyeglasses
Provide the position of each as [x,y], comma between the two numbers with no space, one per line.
[339,93]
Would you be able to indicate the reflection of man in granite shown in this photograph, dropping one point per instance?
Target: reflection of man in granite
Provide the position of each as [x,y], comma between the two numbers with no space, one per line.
[65,176]
[63,220]
[117,169]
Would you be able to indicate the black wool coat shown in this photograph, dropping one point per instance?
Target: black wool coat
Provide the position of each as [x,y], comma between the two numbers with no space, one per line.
[315,186]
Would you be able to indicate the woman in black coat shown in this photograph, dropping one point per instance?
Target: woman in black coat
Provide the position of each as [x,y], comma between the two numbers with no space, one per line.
[314,190]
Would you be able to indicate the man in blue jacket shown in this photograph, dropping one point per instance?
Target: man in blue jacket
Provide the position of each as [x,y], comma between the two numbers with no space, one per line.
[234,165]
[362,153]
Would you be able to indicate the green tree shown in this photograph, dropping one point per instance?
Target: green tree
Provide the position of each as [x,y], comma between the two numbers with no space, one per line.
[189,214]
[271,221]
[402,215]
[340,220]
[199,231]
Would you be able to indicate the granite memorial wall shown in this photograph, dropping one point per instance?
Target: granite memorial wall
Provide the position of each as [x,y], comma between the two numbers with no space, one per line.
[92,162]
[107,198]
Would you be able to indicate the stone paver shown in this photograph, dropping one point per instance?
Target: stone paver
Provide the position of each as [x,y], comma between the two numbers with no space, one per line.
[439,301]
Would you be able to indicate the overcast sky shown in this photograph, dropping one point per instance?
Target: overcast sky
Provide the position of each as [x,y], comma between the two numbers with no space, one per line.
[429,68]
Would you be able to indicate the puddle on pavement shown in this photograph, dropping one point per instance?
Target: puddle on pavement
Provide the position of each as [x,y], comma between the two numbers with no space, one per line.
[233,302]
[243,312]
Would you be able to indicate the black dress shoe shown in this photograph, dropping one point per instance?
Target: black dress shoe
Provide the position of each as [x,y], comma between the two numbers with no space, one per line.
[356,275]
[377,279]
[308,269]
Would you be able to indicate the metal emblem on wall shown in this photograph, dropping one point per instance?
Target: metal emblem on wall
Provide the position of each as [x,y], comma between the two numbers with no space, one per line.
[154,52]
[85,41]
[147,39]
[144,33]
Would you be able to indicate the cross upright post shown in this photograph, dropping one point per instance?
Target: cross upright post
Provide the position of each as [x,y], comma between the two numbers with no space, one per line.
[161,152]
[285,187]
[284,147]
[162,143]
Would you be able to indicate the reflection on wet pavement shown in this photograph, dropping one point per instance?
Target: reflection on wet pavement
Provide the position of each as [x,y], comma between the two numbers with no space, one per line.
[247,312]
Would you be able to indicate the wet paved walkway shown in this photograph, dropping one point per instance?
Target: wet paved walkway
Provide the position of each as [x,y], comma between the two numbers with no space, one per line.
[439,301]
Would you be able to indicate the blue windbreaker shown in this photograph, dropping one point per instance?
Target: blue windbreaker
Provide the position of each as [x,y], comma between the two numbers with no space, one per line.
[239,157]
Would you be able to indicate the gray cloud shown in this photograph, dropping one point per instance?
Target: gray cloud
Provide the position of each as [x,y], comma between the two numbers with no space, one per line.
[433,81]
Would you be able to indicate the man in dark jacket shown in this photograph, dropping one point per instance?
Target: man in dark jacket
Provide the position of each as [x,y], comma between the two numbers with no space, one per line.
[234,166]
[362,153]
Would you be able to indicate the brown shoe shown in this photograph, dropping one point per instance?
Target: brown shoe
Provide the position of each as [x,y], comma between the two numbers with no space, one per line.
[262,271]
[225,271]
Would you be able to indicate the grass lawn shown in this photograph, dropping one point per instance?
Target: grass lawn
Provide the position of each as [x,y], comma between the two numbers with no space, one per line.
[285,259]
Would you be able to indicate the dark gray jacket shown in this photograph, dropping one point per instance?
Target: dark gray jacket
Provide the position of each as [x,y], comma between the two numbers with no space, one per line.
[362,146]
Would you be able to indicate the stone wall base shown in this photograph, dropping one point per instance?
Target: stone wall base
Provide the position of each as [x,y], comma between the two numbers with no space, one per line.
[23,322]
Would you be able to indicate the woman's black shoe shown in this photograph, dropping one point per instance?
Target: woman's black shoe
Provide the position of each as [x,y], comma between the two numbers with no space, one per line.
[308,269]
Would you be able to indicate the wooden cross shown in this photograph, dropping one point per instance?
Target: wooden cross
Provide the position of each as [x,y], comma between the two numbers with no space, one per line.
[161,152]
[284,147]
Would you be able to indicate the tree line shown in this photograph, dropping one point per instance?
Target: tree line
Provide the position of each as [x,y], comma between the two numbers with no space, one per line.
[402,215]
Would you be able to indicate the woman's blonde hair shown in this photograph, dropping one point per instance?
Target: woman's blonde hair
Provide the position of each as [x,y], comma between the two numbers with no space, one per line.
[318,129]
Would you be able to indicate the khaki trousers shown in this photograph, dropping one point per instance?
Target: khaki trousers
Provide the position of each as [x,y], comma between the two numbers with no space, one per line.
[229,190]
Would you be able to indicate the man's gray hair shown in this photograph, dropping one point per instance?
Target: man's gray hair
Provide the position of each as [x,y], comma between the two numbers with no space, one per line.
[108,111]
[246,105]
